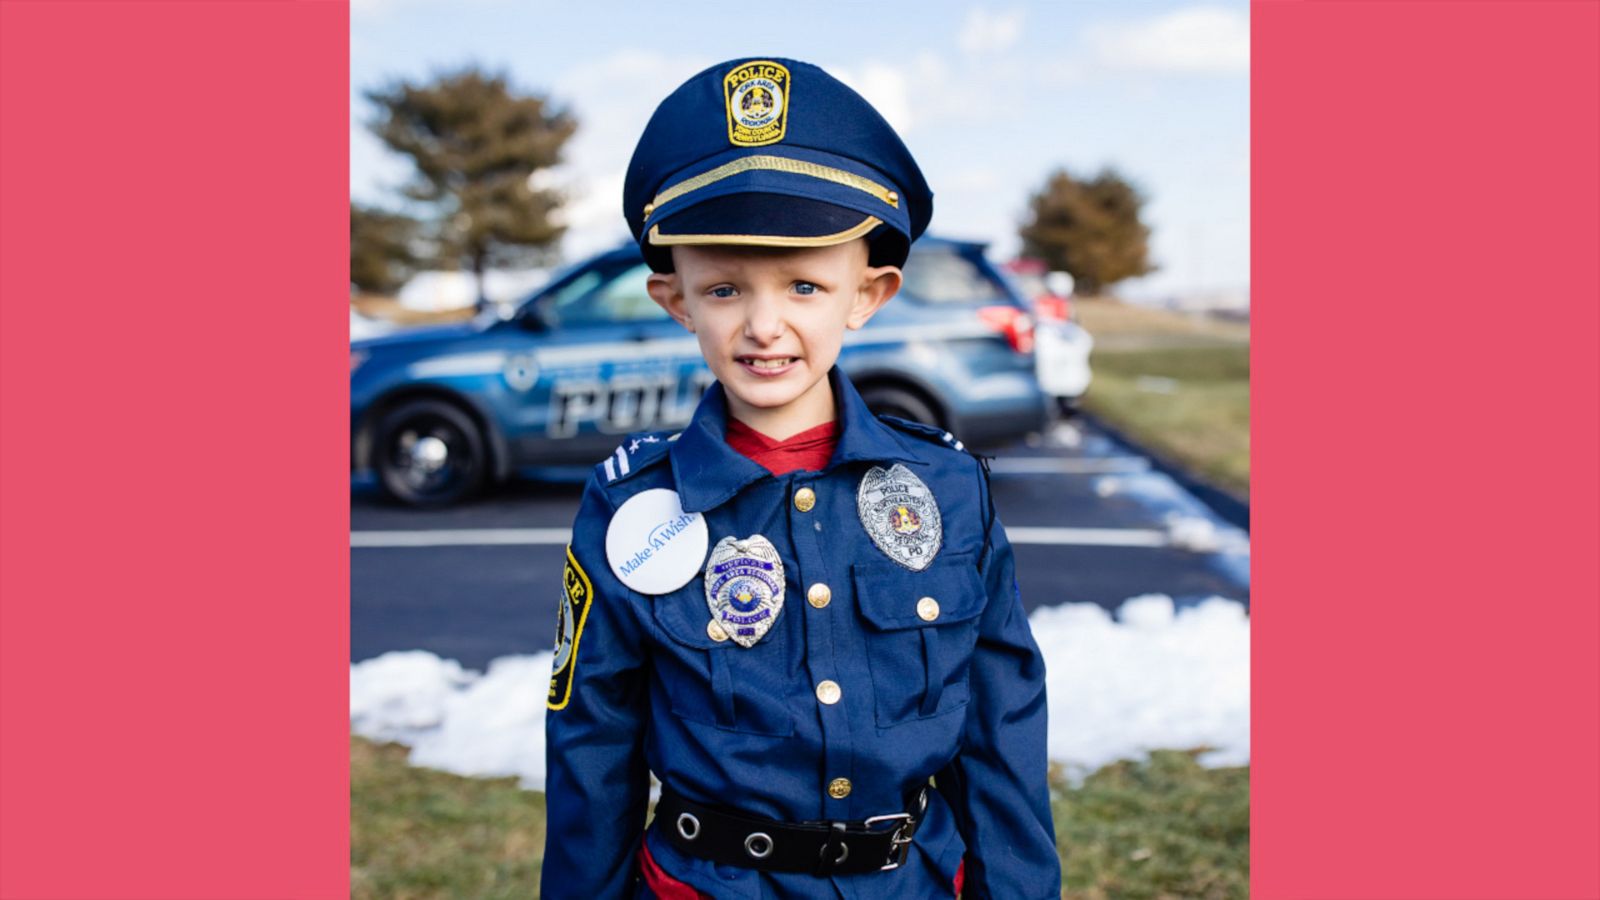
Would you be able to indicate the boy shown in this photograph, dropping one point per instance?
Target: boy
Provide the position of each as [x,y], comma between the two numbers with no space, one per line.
[792,612]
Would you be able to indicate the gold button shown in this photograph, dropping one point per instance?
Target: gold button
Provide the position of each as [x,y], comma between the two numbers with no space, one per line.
[804,499]
[828,692]
[648,209]
[839,788]
[894,197]
[819,595]
[928,609]
[715,631]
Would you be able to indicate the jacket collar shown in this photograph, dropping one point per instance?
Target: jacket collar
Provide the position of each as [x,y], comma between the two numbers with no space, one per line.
[708,472]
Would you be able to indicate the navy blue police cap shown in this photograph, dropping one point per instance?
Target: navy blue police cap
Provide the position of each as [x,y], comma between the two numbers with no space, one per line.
[773,152]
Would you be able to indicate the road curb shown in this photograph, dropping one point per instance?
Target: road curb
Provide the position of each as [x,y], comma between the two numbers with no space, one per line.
[1227,507]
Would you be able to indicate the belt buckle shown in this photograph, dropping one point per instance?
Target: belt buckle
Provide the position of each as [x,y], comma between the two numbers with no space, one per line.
[899,841]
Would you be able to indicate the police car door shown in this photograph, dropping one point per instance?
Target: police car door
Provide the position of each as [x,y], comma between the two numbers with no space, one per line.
[611,361]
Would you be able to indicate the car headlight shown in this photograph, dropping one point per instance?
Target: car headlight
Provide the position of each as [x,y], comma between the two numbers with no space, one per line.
[357,357]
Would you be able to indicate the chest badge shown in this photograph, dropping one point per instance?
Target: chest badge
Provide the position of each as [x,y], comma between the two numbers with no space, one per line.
[744,587]
[900,515]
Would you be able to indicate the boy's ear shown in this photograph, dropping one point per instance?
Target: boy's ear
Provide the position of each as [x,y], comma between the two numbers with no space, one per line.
[667,292]
[878,284]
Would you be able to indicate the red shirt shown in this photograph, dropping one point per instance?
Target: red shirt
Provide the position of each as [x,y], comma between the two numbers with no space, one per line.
[809,450]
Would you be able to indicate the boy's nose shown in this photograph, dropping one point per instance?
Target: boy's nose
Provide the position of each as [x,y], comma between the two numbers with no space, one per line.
[764,322]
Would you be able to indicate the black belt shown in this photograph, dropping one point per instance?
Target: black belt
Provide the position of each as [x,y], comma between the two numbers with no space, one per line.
[821,848]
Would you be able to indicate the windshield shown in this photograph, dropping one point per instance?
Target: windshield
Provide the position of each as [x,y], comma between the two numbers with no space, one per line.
[944,275]
[614,294]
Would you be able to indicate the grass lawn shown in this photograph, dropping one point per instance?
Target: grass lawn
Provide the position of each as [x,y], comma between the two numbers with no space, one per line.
[1165,828]
[1178,384]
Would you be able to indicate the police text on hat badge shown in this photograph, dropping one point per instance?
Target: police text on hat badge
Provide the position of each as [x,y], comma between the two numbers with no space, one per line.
[900,515]
[744,587]
[757,98]
[652,545]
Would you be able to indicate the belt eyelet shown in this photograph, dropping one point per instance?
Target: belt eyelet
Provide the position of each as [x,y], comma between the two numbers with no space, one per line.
[766,845]
[844,854]
[691,832]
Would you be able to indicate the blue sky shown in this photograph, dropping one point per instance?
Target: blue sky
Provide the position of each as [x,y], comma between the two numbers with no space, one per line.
[989,99]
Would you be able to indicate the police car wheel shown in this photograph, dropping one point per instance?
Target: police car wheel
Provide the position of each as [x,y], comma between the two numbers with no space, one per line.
[893,401]
[429,453]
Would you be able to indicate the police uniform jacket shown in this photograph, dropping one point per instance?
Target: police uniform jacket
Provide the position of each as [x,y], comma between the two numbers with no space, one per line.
[933,672]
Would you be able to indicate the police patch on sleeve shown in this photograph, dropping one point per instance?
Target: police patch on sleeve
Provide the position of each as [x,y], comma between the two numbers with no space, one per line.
[900,515]
[577,593]
[757,99]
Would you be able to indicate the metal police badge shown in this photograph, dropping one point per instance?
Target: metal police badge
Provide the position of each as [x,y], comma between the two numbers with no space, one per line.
[744,587]
[757,98]
[900,515]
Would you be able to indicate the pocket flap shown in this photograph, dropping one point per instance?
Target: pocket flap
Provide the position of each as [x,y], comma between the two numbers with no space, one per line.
[683,615]
[888,594]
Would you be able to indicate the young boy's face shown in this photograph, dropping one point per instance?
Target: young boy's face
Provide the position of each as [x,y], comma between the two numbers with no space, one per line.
[770,321]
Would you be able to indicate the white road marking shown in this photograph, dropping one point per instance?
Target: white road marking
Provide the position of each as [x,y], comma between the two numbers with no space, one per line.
[1088,465]
[521,537]
[1088,537]
[461,537]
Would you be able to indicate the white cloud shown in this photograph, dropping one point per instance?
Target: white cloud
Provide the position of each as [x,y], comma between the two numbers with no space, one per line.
[1199,39]
[990,32]
[886,87]
[612,98]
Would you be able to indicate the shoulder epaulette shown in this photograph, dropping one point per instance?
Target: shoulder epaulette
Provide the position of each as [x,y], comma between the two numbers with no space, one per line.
[940,436]
[638,451]
[926,432]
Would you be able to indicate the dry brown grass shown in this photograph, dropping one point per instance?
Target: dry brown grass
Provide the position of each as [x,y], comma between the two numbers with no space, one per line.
[388,309]
[1117,325]
[1201,420]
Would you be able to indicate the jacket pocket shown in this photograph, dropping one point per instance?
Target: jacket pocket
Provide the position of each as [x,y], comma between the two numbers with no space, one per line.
[921,631]
[720,683]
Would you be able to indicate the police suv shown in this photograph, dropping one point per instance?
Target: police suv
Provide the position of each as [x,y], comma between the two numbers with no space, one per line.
[438,412]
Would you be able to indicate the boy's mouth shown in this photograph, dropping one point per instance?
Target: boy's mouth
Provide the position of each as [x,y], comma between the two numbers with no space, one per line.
[767,365]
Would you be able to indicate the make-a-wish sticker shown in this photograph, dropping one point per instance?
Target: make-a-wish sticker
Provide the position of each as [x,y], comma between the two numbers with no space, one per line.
[652,545]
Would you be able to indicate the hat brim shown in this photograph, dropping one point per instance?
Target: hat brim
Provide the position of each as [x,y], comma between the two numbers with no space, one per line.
[757,219]
[762,220]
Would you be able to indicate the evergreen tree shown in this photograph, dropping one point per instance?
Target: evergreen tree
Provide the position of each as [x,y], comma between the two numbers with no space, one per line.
[476,144]
[382,249]
[1090,229]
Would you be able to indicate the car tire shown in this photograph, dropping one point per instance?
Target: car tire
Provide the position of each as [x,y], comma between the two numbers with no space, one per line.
[429,453]
[896,401]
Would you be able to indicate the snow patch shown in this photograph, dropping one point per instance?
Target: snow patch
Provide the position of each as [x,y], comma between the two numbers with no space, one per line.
[1190,524]
[1152,677]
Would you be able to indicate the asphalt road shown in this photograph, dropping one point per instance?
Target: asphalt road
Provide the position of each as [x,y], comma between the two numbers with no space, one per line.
[1089,518]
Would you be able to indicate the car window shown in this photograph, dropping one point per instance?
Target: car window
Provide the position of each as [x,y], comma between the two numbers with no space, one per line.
[612,296]
[557,308]
[945,276]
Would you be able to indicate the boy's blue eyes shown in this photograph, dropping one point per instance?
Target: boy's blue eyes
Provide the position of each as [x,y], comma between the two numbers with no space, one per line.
[804,288]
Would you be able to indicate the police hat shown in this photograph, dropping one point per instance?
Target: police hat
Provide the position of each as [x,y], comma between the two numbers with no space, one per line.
[772,152]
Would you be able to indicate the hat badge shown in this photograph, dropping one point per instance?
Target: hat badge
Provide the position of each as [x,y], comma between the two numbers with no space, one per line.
[756,95]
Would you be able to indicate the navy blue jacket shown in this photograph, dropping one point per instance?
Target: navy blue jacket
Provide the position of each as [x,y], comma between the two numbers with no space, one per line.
[960,697]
